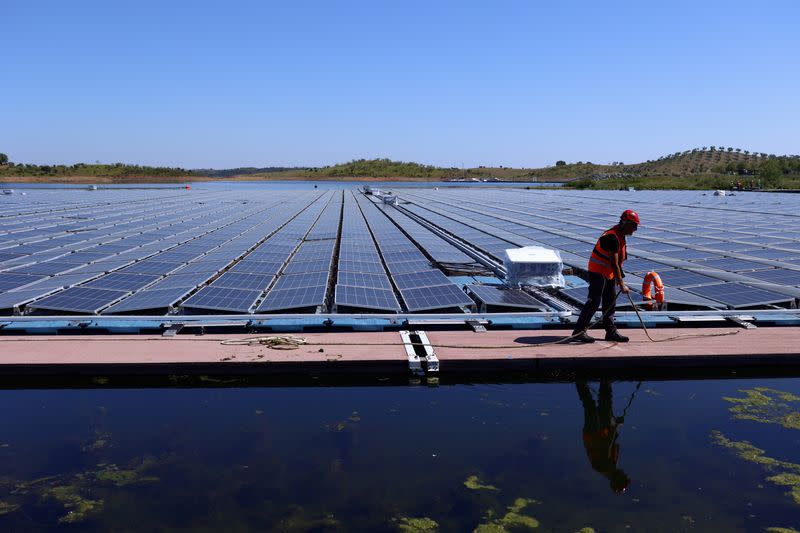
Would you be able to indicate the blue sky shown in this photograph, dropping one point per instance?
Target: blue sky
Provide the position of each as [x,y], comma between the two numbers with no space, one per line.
[224,84]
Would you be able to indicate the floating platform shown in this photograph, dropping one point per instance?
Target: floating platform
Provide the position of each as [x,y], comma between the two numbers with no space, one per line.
[395,353]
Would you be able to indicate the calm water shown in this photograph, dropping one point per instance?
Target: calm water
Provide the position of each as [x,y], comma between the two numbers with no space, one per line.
[497,457]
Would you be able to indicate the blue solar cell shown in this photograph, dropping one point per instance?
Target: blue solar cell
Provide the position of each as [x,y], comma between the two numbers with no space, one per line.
[366,298]
[408,267]
[362,279]
[294,281]
[360,266]
[122,282]
[155,298]
[256,267]
[222,299]
[79,300]
[301,297]
[10,280]
[425,278]
[505,297]
[241,280]
[151,267]
[47,269]
[737,295]
[299,267]
[440,297]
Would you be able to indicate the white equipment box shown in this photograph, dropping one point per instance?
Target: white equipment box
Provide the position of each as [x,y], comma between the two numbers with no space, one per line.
[533,266]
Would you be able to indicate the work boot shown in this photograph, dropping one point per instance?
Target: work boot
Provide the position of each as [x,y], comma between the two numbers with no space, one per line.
[614,336]
[582,337]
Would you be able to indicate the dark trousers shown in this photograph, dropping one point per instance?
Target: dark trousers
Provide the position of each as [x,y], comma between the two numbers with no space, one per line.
[601,290]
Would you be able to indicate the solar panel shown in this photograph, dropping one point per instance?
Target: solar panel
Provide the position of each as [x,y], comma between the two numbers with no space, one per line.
[294,281]
[256,267]
[425,278]
[442,296]
[222,299]
[79,300]
[505,297]
[299,267]
[690,254]
[309,296]
[209,267]
[156,298]
[10,280]
[240,280]
[362,279]
[9,300]
[685,278]
[47,269]
[732,264]
[408,266]
[779,276]
[180,280]
[151,267]
[366,298]
[122,282]
[360,266]
[737,295]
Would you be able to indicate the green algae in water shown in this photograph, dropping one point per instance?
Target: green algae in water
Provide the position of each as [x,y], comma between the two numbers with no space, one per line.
[781,530]
[120,478]
[417,525]
[767,406]
[790,477]
[78,508]
[513,520]
[299,520]
[474,483]
[6,507]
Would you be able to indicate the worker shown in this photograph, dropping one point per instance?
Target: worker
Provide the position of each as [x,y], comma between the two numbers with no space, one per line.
[600,433]
[605,275]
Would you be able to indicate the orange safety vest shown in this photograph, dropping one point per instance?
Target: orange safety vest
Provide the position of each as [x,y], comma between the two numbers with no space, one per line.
[600,260]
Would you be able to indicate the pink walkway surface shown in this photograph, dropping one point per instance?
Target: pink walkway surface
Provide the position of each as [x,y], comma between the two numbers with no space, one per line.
[384,352]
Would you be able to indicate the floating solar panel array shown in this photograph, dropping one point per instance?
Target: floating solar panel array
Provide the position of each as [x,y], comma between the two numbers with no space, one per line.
[711,252]
[303,283]
[362,282]
[422,287]
[276,251]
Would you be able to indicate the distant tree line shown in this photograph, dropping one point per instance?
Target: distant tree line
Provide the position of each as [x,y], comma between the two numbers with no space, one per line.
[381,168]
[8,168]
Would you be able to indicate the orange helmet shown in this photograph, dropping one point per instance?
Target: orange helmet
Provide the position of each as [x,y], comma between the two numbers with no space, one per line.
[629,215]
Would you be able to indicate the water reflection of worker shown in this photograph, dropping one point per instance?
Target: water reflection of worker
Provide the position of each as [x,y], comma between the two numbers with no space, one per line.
[600,432]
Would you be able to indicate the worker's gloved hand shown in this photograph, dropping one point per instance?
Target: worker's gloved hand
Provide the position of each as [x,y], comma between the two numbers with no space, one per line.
[623,288]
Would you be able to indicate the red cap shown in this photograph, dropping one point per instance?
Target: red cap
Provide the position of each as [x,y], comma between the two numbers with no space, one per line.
[629,215]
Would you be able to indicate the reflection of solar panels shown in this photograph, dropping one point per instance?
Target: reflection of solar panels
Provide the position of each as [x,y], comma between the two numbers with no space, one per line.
[488,295]
[738,295]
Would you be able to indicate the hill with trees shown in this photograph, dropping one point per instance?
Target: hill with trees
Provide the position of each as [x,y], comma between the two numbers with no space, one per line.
[704,167]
